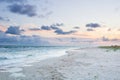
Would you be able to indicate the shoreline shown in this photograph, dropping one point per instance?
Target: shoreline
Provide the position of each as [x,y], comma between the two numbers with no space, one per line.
[77,64]
[29,59]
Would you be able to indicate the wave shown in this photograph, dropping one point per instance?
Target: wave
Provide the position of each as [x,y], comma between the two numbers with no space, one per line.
[3,58]
[24,55]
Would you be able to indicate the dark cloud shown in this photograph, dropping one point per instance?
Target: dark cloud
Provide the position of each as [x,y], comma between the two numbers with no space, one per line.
[61,32]
[52,27]
[45,28]
[4,19]
[93,25]
[56,29]
[23,9]
[14,30]
[76,27]
[34,29]
[90,30]
[56,26]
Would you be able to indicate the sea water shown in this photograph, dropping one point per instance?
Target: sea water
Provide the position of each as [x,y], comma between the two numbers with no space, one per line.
[19,56]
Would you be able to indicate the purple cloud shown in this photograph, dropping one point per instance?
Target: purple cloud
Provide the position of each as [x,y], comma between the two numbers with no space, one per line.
[93,25]
[61,32]
[23,9]
[90,30]
[52,27]
[14,30]
[45,28]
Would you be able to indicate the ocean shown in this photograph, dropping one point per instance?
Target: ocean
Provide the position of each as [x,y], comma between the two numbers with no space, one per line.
[19,56]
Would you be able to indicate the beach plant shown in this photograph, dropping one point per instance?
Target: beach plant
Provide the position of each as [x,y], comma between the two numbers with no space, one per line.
[113,47]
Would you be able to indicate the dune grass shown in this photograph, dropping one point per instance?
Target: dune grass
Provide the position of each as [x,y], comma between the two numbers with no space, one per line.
[114,48]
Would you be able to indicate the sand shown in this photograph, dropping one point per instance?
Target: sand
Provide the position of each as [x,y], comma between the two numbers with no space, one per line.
[78,64]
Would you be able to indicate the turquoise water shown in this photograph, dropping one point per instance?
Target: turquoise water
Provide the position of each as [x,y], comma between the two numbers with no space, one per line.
[23,55]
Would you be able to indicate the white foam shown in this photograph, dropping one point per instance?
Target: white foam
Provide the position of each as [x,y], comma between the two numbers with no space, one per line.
[17,75]
[25,58]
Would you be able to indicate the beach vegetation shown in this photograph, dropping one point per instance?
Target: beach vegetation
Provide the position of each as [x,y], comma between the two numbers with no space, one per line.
[112,47]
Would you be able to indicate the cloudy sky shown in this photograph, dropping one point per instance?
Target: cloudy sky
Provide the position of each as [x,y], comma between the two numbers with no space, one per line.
[61,18]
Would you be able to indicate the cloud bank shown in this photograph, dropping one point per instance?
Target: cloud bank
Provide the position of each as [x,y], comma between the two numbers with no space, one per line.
[34,40]
[16,38]
[54,27]
[22,40]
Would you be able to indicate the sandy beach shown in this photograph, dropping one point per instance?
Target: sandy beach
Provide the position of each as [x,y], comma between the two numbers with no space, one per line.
[78,64]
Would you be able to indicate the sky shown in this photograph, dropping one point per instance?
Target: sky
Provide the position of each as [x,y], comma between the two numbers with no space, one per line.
[61,18]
